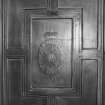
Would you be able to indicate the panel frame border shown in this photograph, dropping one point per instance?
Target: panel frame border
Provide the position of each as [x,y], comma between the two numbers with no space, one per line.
[75,14]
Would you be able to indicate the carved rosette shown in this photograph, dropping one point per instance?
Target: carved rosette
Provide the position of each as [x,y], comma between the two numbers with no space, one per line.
[51,56]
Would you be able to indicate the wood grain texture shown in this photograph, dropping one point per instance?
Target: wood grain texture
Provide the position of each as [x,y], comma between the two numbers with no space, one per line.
[89,81]
[52,4]
[62,100]
[90,18]
[58,45]
[65,29]
[37,100]
[15,25]
[1,69]
[24,25]
[13,86]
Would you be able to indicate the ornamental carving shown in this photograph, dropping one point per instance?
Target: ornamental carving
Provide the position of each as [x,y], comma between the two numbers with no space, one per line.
[51,56]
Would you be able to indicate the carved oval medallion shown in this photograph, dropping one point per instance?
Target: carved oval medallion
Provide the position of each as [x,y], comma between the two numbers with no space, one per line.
[50,57]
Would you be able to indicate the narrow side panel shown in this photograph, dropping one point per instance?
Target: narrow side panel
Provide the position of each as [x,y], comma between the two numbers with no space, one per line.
[89,81]
[13,81]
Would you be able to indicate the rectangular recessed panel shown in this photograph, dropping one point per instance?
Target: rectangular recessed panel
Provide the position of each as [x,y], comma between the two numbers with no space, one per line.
[36,100]
[89,81]
[28,4]
[14,28]
[14,68]
[51,44]
[62,100]
[90,17]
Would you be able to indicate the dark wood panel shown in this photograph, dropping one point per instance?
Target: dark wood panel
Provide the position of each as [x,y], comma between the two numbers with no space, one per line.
[59,29]
[20,40]
[52,4]
[1,55]
[15,21]
[103,83]
[88,54]
[90,17]
[62,100]
[13,32]
[32,4]
[51,100]
[53,91]
[36,100]
[13,81]
[104,24]
[16,52]
[51,40]
[89,81]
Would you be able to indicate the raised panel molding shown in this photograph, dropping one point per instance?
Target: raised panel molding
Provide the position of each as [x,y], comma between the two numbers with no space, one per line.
[89,80]
[86,61]
[14,20]
[51,53]
[39,17]
[91,34]
[51,100]
[12,84]
[65,100]
[52,4]
[36,100]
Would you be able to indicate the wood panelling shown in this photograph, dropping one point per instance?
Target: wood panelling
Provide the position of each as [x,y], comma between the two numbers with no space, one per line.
[1,62]
[104,25]
[36,100]
[89,81]
[48,35]
[51,100]
[13,81]
[104,81]
[61,32]
[52,4]
[14,31]
[90,18]
[62,100]
[14,25]
[52,52]
[32,4]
